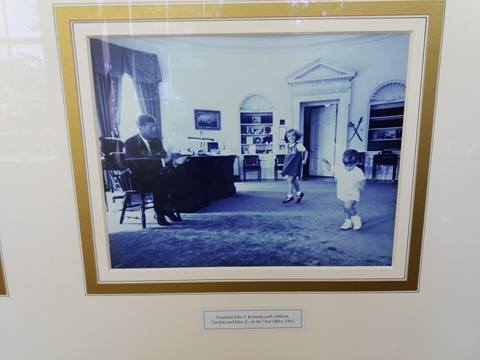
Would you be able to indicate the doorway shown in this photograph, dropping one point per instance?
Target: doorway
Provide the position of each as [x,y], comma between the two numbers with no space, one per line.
[319,129]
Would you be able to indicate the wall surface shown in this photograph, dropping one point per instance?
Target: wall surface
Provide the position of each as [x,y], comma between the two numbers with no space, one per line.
[47,315]
[219,75]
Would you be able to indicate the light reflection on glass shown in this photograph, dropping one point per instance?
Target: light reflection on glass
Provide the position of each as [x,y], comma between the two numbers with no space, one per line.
[22,20]
[30,86]
[3,24]
[23,89]
[6,91]
[28,65]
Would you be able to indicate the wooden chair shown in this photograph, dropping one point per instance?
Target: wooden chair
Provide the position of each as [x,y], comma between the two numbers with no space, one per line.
[110,145]
[114,164]
[279,161]
[113,159]
[386,157]
[133,199]
[121,177]
[252,163]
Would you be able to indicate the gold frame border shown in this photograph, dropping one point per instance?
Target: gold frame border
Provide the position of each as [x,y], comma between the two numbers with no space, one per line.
[3,284]
[65,15]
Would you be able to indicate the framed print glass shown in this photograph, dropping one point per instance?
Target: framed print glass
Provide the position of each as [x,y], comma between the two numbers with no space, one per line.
[315,181]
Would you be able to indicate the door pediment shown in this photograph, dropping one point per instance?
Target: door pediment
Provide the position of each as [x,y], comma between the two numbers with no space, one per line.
[321,70]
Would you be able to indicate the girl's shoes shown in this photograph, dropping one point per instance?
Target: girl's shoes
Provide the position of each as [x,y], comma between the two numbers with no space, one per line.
[300,197]
[287,199]
[290,198]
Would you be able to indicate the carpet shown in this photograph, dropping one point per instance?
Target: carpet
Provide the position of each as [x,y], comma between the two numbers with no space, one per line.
[253,228]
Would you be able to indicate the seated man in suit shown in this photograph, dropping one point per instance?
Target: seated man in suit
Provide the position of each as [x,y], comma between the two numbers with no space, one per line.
[145,157]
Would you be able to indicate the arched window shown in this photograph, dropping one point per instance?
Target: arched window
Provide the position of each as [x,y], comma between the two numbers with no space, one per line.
[256,122]
[389,92]
[256,103]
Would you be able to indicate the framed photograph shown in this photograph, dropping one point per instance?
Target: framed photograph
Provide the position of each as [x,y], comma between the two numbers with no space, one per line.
[207,119]
[340,207]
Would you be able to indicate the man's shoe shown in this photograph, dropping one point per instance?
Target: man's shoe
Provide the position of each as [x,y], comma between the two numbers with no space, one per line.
[347,225]
[287,199]
[172,216]
[300,197]
[177,214]
[162,221]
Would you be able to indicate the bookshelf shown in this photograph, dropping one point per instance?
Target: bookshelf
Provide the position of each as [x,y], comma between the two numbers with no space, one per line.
[256,132]
[385,127]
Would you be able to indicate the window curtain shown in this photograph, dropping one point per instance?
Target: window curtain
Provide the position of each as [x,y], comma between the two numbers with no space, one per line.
[145,72]
[107,75]
[107,98]
[110,62]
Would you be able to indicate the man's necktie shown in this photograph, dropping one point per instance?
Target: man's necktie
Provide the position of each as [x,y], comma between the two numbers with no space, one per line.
[150,146]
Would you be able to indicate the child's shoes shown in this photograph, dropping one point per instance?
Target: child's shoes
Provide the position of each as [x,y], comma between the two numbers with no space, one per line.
[347,224]
[287,199]
[300,197]
[357,222]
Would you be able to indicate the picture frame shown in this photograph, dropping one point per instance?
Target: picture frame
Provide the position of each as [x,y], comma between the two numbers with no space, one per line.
[3,285]
[422,20]
[207,119]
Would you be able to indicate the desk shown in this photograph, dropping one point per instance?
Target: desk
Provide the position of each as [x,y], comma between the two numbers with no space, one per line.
[193,185]
[202,180]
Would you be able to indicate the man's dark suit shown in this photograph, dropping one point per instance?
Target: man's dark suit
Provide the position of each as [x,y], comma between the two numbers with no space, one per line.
[148,172]
[135,148]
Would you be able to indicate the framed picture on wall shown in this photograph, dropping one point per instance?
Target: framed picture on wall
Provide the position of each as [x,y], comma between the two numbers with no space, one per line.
[207,119]
[158,215]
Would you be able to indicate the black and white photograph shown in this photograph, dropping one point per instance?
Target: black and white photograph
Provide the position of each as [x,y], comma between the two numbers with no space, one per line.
[303,170]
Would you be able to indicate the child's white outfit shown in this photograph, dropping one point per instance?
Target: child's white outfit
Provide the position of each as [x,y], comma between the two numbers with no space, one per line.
[347,182]
[347,190]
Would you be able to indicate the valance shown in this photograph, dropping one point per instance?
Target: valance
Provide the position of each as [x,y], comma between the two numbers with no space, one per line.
[115,60]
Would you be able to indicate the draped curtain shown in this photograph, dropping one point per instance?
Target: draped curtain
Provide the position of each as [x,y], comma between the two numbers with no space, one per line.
[107,98]
[110,62]
[145,72]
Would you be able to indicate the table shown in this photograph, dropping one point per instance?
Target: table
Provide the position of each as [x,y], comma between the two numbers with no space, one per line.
[385,159]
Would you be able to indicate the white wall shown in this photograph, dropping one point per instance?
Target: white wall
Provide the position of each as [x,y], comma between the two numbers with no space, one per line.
[218,76]
[48,317]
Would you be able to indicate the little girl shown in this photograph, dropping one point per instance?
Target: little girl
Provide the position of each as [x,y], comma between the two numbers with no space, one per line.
[296,156]
[350,181]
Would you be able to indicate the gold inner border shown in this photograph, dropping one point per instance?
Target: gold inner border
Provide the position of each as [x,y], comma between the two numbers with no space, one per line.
[3,286]
[65,15]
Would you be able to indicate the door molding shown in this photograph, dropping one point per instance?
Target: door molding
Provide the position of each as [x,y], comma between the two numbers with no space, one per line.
[321,82]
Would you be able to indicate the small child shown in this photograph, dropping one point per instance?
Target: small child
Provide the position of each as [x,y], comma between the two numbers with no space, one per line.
[350,181]
[295,158]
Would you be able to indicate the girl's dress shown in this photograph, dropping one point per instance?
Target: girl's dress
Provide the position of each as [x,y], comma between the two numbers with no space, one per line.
[292,165]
